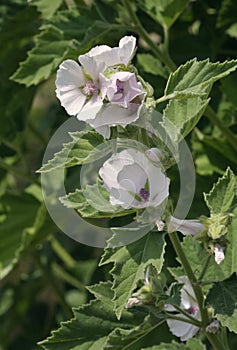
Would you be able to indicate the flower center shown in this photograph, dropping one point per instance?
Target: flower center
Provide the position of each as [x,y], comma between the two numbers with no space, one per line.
[144,194]
[120,88]
[89,89]
[193,309]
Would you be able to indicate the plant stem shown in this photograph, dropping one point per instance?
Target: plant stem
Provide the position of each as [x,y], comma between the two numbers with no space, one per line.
[144,137]
[182,319]
[213,339]
[51,280]
[67,277]
[37,134]
[139,29]
[62,253]
[166,39]
[230,137]
[188,270]
[204,268]
[215,342]
[194,320]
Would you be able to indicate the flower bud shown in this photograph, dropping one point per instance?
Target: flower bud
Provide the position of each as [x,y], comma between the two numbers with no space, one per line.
[219,253]
[217,225]
[213,327]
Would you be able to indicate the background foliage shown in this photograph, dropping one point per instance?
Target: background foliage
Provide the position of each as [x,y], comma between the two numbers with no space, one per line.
[44,273]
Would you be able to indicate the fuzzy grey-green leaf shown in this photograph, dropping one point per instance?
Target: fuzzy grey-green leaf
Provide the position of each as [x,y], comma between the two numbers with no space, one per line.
[196,76]
[220,198]
[130,263]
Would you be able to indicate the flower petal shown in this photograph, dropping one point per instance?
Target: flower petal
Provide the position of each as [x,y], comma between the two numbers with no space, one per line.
[181,329]
[72,100]
[91,66]
[127,46]
[113,115]
[69,76]
[187,227]
[69,79]
[121,197]
[110,169]
[90,109]
[116,55]
[132,178]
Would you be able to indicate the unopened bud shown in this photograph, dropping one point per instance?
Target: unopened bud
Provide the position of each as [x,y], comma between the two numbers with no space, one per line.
[217,225]
[154,154]
[219,253]
[133,302]
[213,327]
[160,225]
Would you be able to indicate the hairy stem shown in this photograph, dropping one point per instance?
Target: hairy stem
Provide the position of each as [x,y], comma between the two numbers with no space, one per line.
[205,267]
[187,315]
[189,272]
[182,319]
[213,339]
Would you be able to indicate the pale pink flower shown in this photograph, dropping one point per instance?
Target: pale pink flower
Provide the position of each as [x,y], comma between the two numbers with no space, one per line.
[182,329]
[133,181]
[113,56]
[186,227]
[97,92]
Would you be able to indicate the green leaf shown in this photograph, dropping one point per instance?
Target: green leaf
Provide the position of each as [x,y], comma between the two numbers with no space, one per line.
[91,325]
[152,65]
[130,263]
[212,154]
[47,8]
[221,196]
[68,34]
[132,339]
[223,296]
[17,214]
[181,116]
[82,149]
[226,14]
[191,344]
[50,48]
[228,321]
[230,90]
[232,31]
[197,256]
[17,29]
[197,76]
[164,12]
[93,202]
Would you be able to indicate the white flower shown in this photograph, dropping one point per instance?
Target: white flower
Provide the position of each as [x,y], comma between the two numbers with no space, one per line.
[97,92]
[123,89]
[125,100]
[79,92]
[186,227]
[111,57]
[133,181]
[185,330]
[219,253]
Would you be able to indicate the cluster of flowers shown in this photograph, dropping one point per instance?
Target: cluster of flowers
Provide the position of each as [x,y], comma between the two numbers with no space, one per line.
[103,91]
